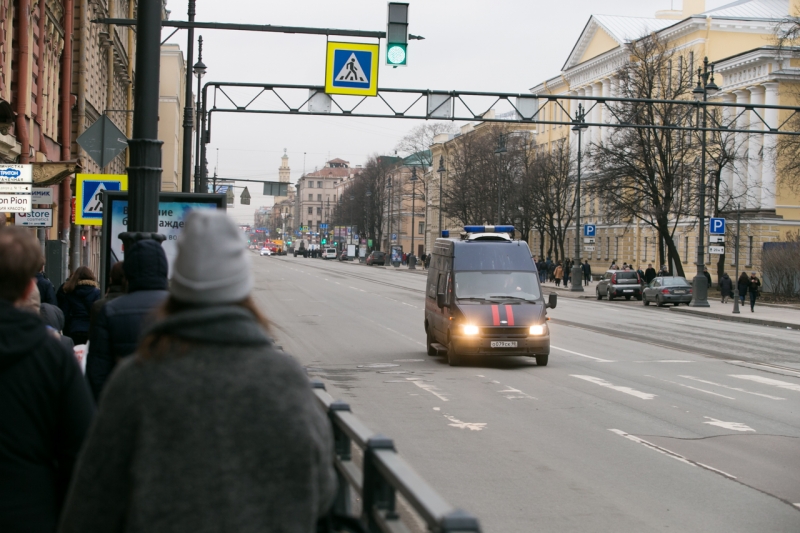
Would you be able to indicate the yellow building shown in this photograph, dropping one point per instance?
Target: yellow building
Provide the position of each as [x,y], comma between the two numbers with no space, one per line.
[737,38]
[172,86]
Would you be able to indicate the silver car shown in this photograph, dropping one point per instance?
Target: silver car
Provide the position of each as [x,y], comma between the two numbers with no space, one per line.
[619,283]
[667,290]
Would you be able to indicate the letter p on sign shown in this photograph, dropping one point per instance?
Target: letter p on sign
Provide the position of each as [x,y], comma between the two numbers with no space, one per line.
[716,226]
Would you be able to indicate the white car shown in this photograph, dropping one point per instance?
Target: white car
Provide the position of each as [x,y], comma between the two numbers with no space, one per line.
[329,253]
[265,251]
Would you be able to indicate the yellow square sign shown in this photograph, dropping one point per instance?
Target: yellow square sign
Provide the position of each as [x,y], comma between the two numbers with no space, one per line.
[352,68]
[89,195]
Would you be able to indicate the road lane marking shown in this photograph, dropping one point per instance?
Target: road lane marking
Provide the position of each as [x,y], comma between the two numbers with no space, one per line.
[427,387]
[618,388]
[665,361]
[695,388]
[732,388]
[515,394]
[768,381]
[582,355]
[472,426]
[733,426]
[670,453]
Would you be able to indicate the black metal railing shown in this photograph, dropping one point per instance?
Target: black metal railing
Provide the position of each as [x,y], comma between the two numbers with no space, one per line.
[383,475]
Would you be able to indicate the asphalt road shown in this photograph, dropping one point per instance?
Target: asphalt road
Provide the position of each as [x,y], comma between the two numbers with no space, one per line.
[642,421]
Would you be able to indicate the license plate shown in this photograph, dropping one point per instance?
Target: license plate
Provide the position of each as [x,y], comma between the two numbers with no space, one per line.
[504,344]
[679,292]
[631,290]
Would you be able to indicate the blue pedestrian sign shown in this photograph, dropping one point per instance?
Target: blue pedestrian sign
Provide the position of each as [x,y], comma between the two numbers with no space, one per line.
[89,195]
[716,226]
[323,226]
[352,68]
[589,230]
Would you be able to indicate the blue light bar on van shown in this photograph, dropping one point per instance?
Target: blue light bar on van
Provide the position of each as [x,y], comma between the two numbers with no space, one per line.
[489,229]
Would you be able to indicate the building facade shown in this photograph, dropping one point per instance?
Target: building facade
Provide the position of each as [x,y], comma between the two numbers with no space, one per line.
[172,87]
[317,196]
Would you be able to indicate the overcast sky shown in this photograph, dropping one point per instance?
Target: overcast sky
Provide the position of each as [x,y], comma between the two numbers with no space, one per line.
[478,45]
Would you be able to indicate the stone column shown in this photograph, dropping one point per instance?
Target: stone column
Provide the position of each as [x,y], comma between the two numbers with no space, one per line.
[605,115]
[754,156]
[768,167]
[740,166]
[597,112]
[727,172]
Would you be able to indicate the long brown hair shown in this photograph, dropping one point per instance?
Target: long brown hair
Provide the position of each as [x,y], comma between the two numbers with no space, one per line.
[83,273]
[155,346]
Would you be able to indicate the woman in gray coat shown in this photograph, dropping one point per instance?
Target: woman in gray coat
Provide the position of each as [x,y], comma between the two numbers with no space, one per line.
[207,428]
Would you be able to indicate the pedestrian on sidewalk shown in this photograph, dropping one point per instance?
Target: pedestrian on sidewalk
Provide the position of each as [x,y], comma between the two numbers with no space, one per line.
[649,274]
[707,275]
[567,271]
[116,288]
[558,273]
[208,427]
[755,290]
[743,285]
[47,293]
[587,272]
[120,322]
[45,405]
[75,298]
[726,287]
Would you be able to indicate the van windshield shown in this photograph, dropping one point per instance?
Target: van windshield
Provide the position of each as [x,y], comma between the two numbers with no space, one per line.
[494,284]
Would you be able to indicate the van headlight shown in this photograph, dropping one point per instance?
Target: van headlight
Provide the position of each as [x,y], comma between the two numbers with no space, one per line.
[470,330]
[537,330]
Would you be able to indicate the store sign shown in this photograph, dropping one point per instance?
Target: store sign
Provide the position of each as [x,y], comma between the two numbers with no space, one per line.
[40,218]
[43,195]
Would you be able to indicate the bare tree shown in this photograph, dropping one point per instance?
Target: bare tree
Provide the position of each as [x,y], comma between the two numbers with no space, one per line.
[420,139]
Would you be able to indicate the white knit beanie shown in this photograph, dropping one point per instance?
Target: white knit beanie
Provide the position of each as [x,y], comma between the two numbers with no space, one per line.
[212,266]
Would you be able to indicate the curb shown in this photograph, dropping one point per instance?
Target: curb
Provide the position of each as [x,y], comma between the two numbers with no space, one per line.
[734,318]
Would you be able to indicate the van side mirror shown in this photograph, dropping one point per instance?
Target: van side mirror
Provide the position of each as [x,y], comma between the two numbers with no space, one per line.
[552,300]
[441,299]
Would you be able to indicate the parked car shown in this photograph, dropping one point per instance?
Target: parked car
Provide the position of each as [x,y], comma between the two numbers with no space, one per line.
[667,290]
[266,251]
[329,253]
[376,258]
[619,283]
[343,255]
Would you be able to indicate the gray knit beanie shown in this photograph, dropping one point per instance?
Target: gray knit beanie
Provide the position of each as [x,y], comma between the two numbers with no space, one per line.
[212,266]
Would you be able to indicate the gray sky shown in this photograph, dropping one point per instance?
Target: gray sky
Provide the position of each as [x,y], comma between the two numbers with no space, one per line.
[479,45]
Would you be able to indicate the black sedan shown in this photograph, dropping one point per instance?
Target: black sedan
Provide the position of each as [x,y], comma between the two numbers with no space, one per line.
[376,258]
[667,290]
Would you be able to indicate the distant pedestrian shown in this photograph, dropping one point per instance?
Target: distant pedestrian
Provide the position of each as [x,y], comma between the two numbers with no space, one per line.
[45,404]
[558,273]
[116,288]
[119,323]
[755,290]
[207,427]
[47,293]
[75,298]
[649,274]
[664,272]
[613,265]
[707,275]
[567,271]
[743,286]
[587,272]
[726,287]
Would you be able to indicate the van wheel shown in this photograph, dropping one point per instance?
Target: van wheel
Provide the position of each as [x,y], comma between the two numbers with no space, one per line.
[430,341]
[452,357]
[541,360]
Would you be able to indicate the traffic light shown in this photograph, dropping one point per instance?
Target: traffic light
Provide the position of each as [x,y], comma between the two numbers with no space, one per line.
[324,241]
[397,34]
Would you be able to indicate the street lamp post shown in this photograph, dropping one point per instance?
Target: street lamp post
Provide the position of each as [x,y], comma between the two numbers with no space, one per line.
[441,170]
[186,170]
[736,261]
[199,69]
[577,271]
[499,152]
[412,259]
[389,217]
[704,88]
[368,195]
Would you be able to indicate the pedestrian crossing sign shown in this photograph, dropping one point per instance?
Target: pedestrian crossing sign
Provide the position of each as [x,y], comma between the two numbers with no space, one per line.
[89,195]
[352,68]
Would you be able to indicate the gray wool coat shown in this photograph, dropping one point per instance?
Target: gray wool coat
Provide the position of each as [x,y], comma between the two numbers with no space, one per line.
[226,437]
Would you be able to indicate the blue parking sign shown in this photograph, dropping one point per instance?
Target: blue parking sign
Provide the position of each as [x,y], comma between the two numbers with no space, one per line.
[589,230]
[716,226]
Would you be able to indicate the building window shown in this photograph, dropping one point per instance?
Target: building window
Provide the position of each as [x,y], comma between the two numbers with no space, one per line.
[319,210]
[310,197]
[608,247]
[319,197]
[310,210]
[310,184]
[319,185]
[749,251]
[310,224]
[616,248]
[686,247]
[334,197]
[421,229]
[645,249]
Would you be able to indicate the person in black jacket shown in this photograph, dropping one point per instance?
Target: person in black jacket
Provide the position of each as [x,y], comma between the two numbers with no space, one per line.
[119,322]
[726,287]
[116,288]
[587,272]
[649,274]
[45,405]
[743,285]
[47,293]
[75,298]
[754,289]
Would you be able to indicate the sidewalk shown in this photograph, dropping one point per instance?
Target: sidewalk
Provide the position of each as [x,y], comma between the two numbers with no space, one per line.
[766,315]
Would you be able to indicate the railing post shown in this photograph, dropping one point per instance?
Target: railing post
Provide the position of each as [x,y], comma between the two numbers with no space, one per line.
[377,495]
[460,521]
[341,448]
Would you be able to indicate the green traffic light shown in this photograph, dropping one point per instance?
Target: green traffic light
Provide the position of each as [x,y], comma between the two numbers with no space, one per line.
[396,54]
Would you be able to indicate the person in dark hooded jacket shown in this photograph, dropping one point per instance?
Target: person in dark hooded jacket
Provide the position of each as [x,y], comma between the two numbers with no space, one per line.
[116,331]
[45,405]
[726,287]
[116,288]
[75,298]
[47,293]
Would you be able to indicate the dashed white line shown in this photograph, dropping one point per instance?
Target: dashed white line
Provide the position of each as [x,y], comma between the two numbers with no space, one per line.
[472,426]
[427,387]
[695,388]
[768,381]
[732,388]
[583,355]
[733,426]
[618,388]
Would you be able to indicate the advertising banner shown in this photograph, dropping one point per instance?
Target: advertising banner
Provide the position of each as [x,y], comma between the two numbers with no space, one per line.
[40,218]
